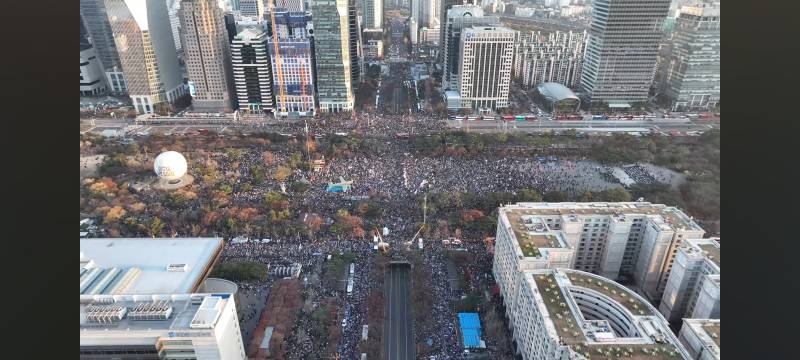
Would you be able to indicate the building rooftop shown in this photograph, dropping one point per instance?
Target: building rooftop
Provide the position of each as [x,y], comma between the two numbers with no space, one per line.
[146,266]
[712,252]
[154,313]
[594,337]
[555,92]
[672,216]
[707,331]
[533,233]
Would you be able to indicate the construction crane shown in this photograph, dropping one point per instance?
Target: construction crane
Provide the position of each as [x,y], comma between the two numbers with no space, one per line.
[278,66]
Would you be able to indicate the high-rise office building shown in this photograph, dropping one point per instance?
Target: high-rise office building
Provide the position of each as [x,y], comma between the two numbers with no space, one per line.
[207,54]
[700,337]
[146,49]
[487,55]
[692,290]
[458,18]
[151,299]
[93,79]
[556,57]
[621,241]
[292,64]
[445,5]
[252,70]
[252,8]
[373,14]
[332,54]
[356,57]
[95,18]
[621,53]
[174,8]
[557,314]
[693,67]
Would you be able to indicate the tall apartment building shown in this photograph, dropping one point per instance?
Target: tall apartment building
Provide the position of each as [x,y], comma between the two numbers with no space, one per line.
[621,53]
[692,289]
[458,18]
[93,79]
[95,18]
[700,337]
[150,299]
[556,57]
[487,55]
[373,14]
[620,241]
[332,54]
[559,314]
[146,49]
[208,55]
[252,70]
[693,68]
[292,64]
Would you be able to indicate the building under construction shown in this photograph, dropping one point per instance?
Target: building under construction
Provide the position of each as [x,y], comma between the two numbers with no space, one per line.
[290,51]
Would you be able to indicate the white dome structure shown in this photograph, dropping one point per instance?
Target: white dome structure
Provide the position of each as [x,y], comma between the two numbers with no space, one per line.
[170,166]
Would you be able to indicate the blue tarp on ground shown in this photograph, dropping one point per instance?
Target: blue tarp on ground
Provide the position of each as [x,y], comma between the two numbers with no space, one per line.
[470,325]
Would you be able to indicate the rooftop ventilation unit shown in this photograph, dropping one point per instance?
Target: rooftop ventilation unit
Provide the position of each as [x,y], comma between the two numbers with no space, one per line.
[104,314]
[177,267]
[158,310]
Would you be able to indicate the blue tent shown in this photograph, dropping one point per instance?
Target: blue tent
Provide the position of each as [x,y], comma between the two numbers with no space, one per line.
[470,325]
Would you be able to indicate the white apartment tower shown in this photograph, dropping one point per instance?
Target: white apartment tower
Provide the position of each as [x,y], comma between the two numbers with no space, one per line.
[555,57]
[700,337]
[487,55]
[626,241]
[252,70]
[692,290]
[207,53]
[143,38]
[564,314]
[622,50]
[693,69]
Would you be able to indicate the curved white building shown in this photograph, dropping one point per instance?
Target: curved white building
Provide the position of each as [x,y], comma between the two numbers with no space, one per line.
[571,314]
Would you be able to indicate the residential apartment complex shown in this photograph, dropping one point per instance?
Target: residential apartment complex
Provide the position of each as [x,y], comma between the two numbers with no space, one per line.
[693,68]
[332,52]
[571,314]
[630,241]
[485,69]
[252,70]
[693,287]
[207,52]
[700,337]
[149,299]
[143,38]
[621,53]
[555,57]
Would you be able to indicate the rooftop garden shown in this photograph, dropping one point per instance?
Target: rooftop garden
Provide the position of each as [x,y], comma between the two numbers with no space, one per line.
[713,252]
[614,291]
[560,313]
[713,331]
[628,352]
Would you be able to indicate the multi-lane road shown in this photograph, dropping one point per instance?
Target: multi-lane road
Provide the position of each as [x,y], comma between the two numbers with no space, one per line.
[398,343]
[588,126]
